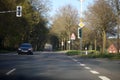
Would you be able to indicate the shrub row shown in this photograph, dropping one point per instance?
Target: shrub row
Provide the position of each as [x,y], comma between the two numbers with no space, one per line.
[73,52]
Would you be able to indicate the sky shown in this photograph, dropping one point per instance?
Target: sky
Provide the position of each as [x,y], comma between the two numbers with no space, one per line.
[56,4]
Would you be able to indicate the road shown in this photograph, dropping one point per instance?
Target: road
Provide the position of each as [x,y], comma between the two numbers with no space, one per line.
[56,66]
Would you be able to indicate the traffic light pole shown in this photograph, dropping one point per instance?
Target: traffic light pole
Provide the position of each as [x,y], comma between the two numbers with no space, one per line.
[18,11]
[80,36]
[81,41]
[7,11]
[81,24]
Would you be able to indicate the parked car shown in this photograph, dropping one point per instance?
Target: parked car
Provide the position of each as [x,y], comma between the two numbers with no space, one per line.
[25,48]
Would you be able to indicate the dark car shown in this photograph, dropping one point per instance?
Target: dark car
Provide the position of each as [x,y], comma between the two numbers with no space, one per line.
[25,48]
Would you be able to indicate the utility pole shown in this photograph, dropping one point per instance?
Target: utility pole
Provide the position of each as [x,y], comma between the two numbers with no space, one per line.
[118,39]
[81,24]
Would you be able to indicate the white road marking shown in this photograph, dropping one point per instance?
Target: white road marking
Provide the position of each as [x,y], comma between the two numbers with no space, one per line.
[104,78]
[82,64]
[87,68]
[75,60]
[9,72]
[94,72]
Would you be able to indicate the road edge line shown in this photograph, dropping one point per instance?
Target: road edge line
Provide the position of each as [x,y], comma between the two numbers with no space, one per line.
[11,71]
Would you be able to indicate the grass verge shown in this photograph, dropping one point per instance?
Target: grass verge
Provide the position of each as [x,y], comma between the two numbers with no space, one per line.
[5,51]
[92,54]
[73,52]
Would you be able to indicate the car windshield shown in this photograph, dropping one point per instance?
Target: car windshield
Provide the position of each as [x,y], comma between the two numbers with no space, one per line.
[25,45]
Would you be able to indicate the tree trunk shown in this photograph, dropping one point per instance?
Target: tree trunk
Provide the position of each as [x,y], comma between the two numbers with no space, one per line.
[95,45]
[104,42]
[118,39]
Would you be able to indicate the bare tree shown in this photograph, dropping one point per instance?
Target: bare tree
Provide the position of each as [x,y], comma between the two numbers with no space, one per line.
[115,4]
[42,6]
[101,19]
[65,21]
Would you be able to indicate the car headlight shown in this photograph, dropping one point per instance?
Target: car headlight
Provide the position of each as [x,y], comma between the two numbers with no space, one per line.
[19,48]
[30,49]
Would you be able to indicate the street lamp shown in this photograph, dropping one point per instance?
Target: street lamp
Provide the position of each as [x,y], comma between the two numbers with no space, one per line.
[81,8]
[81,24]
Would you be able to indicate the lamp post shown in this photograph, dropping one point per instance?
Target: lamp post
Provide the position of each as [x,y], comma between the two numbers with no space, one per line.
[81,8]
[81,24]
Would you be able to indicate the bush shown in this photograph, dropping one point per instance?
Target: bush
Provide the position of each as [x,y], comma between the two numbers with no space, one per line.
[93,52]
[110,56]
[73,52]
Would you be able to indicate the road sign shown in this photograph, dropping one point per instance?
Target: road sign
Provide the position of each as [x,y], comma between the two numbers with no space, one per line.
[81,24]
[73,37]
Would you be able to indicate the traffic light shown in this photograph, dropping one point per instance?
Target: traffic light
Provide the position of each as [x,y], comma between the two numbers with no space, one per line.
[19,11]
[79,32]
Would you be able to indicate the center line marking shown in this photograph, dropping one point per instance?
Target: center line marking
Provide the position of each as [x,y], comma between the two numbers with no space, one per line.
[104,78]
[75,60]
[82,64]
[94,72]
[87,68]
[9,72]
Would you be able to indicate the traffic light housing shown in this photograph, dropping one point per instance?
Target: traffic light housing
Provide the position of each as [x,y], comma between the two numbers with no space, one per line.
[79,33]
[19,11]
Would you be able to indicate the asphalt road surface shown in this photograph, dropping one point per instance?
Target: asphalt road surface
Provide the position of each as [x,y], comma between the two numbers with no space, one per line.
[56,66]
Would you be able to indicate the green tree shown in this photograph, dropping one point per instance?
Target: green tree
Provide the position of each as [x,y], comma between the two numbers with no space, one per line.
[39,35]
[14,30]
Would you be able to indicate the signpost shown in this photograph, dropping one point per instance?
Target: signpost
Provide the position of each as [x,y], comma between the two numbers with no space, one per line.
[62,44]
[80,33]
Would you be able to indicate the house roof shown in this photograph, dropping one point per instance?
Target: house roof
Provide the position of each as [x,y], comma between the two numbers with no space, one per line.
[116,45]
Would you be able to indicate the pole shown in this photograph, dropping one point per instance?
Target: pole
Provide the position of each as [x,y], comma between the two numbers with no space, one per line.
[81,8]
[118,41]
[71,44]
[1,12]
[81,41]
[81,20]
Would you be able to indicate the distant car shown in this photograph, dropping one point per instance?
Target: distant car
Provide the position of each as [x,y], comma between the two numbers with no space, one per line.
[25,48]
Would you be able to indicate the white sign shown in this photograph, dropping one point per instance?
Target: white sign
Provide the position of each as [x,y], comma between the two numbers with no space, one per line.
[68,42]
[73,37]
[62,43]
